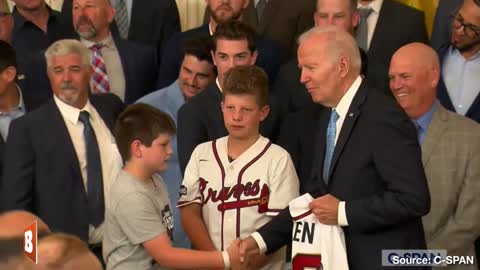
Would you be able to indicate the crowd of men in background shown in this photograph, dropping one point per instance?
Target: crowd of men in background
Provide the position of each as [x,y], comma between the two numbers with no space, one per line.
[58,109]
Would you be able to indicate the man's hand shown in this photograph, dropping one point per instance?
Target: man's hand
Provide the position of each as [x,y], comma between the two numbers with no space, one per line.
[325,209]
[248,248]
[234,255]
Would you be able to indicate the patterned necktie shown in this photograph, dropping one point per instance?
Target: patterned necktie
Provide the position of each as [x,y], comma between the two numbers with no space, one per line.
[419,132]
[99,79]
[121,18]
[362,29]
[331,132]
[261,8]
[95,196]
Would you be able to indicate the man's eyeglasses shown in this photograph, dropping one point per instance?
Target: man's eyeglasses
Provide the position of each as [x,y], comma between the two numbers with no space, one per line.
[469,29]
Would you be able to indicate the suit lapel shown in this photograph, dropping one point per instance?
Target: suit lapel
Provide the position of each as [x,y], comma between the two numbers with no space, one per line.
[269,13]
[381,29]
[250,15]
[62,138]
[348,123]
[433,134]
[140,11]
[125,58]
[319,145]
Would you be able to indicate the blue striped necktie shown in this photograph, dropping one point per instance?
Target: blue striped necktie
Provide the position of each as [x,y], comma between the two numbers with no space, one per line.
[331,132]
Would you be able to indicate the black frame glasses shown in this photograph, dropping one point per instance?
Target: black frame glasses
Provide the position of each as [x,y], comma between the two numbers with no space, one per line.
[469,29]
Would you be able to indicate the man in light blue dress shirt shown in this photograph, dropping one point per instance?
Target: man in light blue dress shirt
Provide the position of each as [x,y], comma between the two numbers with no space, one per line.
[450,153]
[196,73]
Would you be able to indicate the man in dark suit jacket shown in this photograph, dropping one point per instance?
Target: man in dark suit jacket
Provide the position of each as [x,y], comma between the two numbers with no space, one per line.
[151,22]
[47,170]
[459,92]
[269,52]
[14,102]
[280,21]
[347,165]
[397,25]
[131,68]
[201,119]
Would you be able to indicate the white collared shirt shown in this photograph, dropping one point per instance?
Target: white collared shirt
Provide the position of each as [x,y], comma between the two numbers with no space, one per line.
[372,19]
[109,155]
[342,109]
[113,64]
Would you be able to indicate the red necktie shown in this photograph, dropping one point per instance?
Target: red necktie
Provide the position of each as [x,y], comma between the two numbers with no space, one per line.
[100,78]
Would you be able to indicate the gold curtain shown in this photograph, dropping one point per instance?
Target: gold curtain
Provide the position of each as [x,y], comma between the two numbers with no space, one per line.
[429,7]
[191,13]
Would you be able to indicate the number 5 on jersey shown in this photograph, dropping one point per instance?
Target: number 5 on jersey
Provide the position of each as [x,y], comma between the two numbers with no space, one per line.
[30,241]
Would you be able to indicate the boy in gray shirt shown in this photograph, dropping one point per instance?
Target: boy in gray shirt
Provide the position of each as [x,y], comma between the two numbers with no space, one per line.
[138,220]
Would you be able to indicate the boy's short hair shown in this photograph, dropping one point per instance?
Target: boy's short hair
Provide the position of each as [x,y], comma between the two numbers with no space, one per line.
[247,80]
[7,56]
[199,47]
[235,30]
[141,122]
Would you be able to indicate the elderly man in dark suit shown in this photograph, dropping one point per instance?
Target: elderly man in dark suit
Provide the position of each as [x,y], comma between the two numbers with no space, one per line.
[125,68]
[377,197]
[62,156]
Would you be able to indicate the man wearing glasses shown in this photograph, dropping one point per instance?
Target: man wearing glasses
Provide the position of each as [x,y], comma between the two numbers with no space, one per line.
[459,89]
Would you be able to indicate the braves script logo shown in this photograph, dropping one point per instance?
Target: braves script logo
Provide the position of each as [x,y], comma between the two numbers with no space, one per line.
[30,241]
[247,190]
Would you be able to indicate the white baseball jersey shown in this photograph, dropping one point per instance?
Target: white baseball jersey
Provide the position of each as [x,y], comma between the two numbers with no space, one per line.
[315,245]
[239,197]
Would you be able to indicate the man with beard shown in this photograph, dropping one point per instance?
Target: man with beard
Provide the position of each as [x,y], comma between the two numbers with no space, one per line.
[124,68]
[458,90]
[37,26]
[62,156]
[269,52]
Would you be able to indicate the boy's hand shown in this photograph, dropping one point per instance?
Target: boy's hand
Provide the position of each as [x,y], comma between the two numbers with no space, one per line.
[234,254]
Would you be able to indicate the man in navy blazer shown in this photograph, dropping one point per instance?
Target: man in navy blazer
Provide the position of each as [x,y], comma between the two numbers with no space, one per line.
[269,52]
[131,68]
[46,165]
[458,89]
[362,164]
[14,102]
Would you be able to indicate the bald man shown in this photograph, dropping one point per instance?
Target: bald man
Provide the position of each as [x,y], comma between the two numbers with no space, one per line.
[12,223]
[66,252]
[126,69]
[450,152]
[11,239]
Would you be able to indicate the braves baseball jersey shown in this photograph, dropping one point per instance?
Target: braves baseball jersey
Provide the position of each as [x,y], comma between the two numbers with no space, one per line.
[239,197]
[315,245]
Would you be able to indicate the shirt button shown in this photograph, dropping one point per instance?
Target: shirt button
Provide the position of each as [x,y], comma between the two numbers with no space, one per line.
[460,106]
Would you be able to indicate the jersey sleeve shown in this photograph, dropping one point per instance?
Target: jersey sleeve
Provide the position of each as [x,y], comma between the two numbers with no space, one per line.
[284,185]
[138,218]
[190,189]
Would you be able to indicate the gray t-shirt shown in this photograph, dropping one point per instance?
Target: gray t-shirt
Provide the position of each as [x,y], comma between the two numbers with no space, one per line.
[137,212]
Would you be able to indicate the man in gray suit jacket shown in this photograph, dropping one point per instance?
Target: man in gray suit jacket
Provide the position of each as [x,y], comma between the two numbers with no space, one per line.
[450,153]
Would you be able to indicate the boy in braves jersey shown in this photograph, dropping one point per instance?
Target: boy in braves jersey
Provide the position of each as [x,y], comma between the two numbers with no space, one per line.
[235,184]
